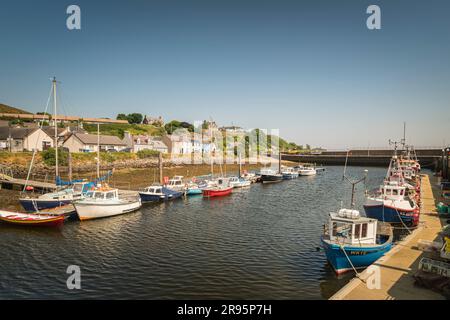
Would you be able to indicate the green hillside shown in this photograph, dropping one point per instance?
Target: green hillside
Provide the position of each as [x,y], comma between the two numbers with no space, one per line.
[8,109]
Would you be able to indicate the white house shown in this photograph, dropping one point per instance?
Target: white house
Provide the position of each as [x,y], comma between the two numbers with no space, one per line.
[144,142]
[24,139]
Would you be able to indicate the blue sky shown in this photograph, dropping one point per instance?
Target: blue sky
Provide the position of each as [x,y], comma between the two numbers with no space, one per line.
[310,68]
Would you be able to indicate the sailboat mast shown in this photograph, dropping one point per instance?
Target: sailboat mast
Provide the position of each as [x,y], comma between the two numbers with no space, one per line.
[240,164]
[98,150]
[56,128]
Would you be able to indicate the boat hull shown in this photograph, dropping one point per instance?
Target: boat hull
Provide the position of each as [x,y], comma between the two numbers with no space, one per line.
[192,192]
[266,178]
[33,205]
[307,173]
[145,197]
[31,220]
[391,214]
[88,211]
[217,192]
[360,257]
[290,176]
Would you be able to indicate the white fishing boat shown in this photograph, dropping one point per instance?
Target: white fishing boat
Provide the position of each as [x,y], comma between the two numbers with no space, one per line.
[306,171]
[103,202]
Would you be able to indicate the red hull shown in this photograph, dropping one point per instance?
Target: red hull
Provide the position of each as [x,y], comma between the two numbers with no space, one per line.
[217,192]
[53,222]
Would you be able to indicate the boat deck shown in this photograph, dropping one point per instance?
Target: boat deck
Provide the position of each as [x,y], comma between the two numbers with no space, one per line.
[399,265]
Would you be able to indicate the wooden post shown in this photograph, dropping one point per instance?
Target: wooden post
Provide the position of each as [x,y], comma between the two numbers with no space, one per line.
[160,163]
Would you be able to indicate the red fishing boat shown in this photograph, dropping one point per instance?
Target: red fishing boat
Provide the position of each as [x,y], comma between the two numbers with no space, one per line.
[217,191]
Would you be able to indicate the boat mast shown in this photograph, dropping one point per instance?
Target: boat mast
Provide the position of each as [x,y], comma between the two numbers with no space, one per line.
[98,150]
[279,160]
[56,127]
[240,165]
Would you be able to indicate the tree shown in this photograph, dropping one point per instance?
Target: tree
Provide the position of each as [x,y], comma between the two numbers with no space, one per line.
[122,116]
[135,118]
[308,147]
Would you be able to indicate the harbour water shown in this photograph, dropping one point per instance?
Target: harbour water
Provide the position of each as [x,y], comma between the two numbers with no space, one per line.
[258,243]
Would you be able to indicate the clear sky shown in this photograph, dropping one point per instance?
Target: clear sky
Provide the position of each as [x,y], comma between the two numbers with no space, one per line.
[310,68]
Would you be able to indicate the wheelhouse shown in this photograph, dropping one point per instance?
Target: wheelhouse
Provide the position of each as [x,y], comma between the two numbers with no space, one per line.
[347,227]
[103,194]
[393,190]
[154,189]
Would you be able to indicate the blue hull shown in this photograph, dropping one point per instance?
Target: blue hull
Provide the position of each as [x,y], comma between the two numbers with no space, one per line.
[31,205]
[158,198]
[360,257]
[289,176]
[192,192]
[388,214]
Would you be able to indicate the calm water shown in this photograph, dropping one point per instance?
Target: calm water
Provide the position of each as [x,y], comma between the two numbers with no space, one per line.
[258,243]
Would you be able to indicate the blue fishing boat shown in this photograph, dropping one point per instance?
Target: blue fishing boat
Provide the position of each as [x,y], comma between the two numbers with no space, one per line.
[159,193]
[392,202]
[289,173]
[353,242]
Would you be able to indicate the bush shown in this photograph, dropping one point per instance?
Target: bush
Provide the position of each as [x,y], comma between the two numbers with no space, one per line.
[48,156]
[142,154]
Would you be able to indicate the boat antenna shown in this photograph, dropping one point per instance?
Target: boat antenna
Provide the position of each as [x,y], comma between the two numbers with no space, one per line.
[345,165]
[354,183]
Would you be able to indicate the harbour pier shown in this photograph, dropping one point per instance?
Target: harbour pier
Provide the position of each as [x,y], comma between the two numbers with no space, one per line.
[429,158]
[399,265]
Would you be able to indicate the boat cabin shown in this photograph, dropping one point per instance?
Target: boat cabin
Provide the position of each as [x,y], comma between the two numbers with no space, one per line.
[176,181]
[154,190]
[103,194]
[347,227]
[82,187]
[392,190]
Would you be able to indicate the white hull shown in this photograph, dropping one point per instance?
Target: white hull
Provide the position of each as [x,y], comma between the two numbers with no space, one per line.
[240,184]
[307,172]
[92,210]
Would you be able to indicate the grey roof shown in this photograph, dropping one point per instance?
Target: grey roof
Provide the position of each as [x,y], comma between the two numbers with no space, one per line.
[50,130]
[16,133]
[104,140]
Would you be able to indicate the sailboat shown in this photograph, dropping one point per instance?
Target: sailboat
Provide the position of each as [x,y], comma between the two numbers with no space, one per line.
[269,175]
[74,190]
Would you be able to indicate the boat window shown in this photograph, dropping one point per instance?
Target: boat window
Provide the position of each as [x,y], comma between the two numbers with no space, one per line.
[90,195]
[110,195]
[357,230]
[77,187]
[395,192]
[364,230]
[402,192]
[99,195]
[342,229]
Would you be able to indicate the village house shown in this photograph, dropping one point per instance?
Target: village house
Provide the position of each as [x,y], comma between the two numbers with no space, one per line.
[84,142]
[187,143]
[144,142]
[24,139]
